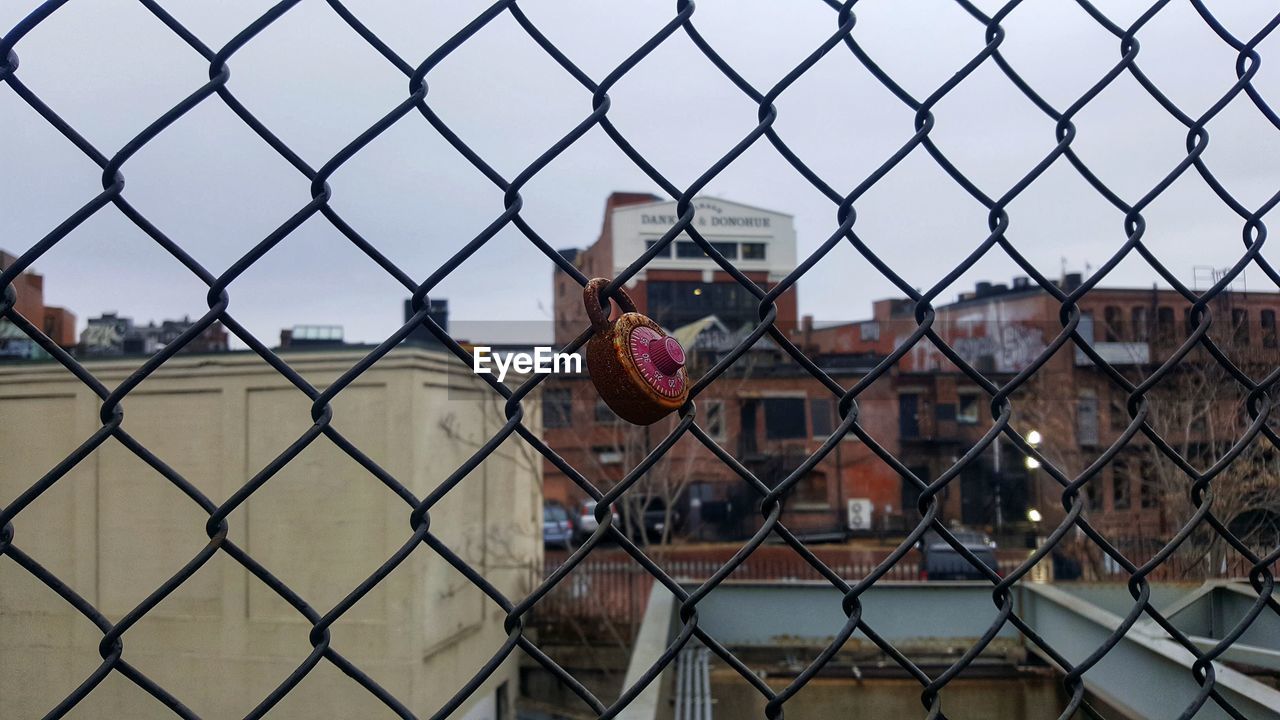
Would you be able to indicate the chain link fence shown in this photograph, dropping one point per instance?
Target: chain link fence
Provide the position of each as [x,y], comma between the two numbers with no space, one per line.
[844,201]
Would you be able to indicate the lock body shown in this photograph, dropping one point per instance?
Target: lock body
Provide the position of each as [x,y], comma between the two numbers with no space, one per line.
[637,369]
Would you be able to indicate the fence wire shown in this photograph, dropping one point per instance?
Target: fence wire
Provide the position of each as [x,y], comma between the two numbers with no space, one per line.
[418,510]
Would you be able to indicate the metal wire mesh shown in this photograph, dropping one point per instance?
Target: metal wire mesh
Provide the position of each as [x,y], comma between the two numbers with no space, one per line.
[845,201]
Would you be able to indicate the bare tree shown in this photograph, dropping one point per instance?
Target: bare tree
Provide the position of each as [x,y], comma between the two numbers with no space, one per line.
[1200,411]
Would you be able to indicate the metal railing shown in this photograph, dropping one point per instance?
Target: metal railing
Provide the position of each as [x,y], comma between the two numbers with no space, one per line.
[844,204]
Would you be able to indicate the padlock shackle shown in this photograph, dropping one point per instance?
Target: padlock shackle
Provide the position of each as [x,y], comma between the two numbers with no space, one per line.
[598,308]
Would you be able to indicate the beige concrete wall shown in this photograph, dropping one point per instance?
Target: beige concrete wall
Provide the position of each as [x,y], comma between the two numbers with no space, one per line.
[114,529]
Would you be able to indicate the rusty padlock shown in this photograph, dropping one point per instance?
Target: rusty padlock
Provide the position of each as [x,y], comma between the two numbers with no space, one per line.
[636,367]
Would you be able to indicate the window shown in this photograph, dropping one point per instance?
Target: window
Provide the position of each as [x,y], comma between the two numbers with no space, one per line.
[673,303]
[1112,318]
[1085,328]
[945,412]
[701,490]
[1240,327]
[1119,415]
[820,417]
[502,701]
[869,331]
[607,454]
[1120,495]
[752,251]
[713,421]
[1091,494]
[727,249]
[968,408]
[1148,491]
[557,408]
[1138,316]
[1269,328]
[664,253]
[1164,324]
[688,249]
[604,414]
[908,415]
[811,490]
[784,418]
[1087,419]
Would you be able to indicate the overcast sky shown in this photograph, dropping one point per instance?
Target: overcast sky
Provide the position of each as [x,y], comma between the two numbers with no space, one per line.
[110,68]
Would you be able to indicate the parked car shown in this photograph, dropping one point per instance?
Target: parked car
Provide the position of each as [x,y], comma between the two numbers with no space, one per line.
[586,520]
[940,561]
[653,518]
[557,526]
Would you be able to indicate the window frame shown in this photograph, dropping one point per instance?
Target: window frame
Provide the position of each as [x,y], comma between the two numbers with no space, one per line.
[567,408]
[1240,335]
[666,253]
[803,431]
[1112,323]
[683,246]
[1121,478]
[1267,318]
[603,414]
[814,404]
[1139,323]
[962,419]
[716,434]
[808,501]
[728,249]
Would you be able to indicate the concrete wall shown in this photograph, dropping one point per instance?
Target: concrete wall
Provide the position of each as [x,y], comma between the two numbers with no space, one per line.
[114,529]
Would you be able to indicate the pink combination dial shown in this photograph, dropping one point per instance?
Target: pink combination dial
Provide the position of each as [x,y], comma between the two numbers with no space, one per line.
[659,359]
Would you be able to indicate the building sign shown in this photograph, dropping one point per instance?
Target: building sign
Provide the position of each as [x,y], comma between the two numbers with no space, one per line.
[708,215]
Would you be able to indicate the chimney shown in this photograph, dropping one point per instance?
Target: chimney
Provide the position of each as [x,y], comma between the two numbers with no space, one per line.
[438,310]
[1072,281]
[982,289]
[1022,282]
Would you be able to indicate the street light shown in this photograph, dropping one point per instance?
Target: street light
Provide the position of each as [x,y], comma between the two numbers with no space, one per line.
[1033,439]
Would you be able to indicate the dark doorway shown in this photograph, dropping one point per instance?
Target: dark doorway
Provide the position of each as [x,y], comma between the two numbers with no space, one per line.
[908,415]
[747,425]
[977,496]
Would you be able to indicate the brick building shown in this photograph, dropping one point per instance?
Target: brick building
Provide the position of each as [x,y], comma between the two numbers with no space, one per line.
[767,412]
[57,323]
[1071,405]
[925,411]
[111,335]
